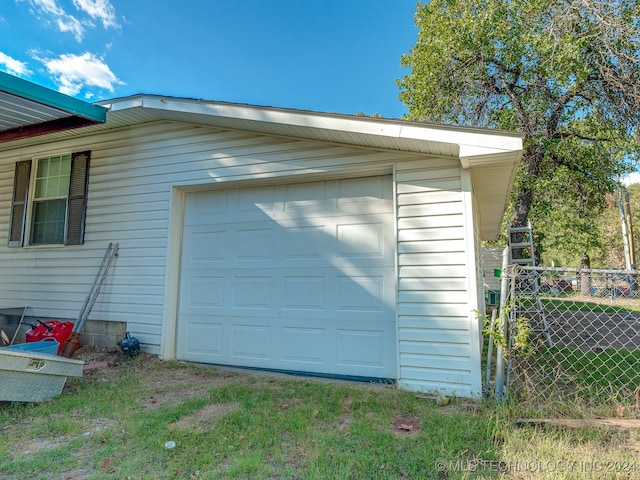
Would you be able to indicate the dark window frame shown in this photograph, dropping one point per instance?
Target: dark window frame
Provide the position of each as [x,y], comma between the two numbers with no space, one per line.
[76,201]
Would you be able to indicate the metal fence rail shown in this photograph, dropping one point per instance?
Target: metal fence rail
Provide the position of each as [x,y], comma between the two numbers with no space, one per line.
[571,334]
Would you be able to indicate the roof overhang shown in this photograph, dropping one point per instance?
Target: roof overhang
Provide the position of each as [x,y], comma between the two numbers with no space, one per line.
[491,156]
[28,110]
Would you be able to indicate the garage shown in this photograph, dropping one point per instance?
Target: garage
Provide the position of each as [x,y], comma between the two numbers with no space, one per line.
[295,277]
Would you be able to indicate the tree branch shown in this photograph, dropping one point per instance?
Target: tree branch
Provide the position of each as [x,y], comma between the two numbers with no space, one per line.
[564,135]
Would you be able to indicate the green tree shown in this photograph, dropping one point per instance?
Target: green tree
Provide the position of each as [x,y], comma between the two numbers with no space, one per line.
[564,72]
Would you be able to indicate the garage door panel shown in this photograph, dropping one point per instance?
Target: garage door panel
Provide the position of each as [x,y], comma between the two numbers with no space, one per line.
[364,294]
[301,197]
[204,246]
[304,243]
[262,343]
[205,291]
[305,293]
[204,339]
[251,342]
[207,208]
[253,292]
[361,348]
[364,190]
[303,345]
[357,240]
[255,202]
[293,277]
[351,293]
[254,244]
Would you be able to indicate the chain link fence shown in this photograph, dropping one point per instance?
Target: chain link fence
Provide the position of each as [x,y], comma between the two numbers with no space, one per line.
[571,335]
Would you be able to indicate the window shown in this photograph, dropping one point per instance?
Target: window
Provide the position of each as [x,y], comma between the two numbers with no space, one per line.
[49,200]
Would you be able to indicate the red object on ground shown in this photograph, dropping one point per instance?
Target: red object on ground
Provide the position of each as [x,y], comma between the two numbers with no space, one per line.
[61,331]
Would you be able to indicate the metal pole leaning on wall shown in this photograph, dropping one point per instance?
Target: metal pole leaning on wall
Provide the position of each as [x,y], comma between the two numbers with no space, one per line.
[504,289]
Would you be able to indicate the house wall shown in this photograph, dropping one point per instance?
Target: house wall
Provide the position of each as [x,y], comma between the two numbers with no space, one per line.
[491,260]
[436,336]
[133,171]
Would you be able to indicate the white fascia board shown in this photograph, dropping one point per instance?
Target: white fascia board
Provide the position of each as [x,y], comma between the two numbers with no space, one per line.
[122,103]
[273,115]
[473,143]
[487,156]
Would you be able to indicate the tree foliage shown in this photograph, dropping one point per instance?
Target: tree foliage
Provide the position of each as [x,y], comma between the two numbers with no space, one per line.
[566,73]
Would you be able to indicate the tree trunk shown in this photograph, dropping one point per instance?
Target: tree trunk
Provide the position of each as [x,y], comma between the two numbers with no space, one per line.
[532,160]
[585,278]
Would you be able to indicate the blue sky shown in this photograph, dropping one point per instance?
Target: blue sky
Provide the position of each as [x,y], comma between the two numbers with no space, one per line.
[325,55]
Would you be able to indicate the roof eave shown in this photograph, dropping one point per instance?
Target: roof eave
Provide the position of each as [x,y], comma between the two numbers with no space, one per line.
[45,96]
[473,141]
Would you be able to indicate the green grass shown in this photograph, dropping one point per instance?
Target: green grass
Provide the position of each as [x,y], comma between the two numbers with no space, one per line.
[569,304]
[605,370]
[114,425]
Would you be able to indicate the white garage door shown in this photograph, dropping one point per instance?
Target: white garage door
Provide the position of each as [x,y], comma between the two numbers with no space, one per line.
[293,277]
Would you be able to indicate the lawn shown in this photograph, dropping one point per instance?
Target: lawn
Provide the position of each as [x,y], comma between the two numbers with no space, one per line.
[596,305]
[608,377]
[146,419]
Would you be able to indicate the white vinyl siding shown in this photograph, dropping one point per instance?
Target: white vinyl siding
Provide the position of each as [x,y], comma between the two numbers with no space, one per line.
[132,173]
[433,299]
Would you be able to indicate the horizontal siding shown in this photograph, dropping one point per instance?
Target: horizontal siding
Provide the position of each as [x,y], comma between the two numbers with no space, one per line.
[435,352]
[432,296]
[433,246]
[132,174]
[415,234]
[434,271]
[491,261]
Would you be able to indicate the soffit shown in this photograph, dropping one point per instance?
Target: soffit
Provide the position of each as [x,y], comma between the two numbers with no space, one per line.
[28,110]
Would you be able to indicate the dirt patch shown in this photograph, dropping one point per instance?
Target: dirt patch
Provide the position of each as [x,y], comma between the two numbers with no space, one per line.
[167,388]
[180,384]
[104,362]
[163,398]
[290,402]
[78,474]
[184,377]
[345,413]
[633,444]
[405,425]
[36,445]
[98,425]
[205,418]
[112,356]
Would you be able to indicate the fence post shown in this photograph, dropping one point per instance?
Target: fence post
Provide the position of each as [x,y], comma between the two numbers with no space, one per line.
[504,289]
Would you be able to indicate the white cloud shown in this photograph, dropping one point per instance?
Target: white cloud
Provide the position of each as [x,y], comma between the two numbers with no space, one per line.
[76,72]
[53,12]
[98,10]
[68,23]
[47,6]
[13,66]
